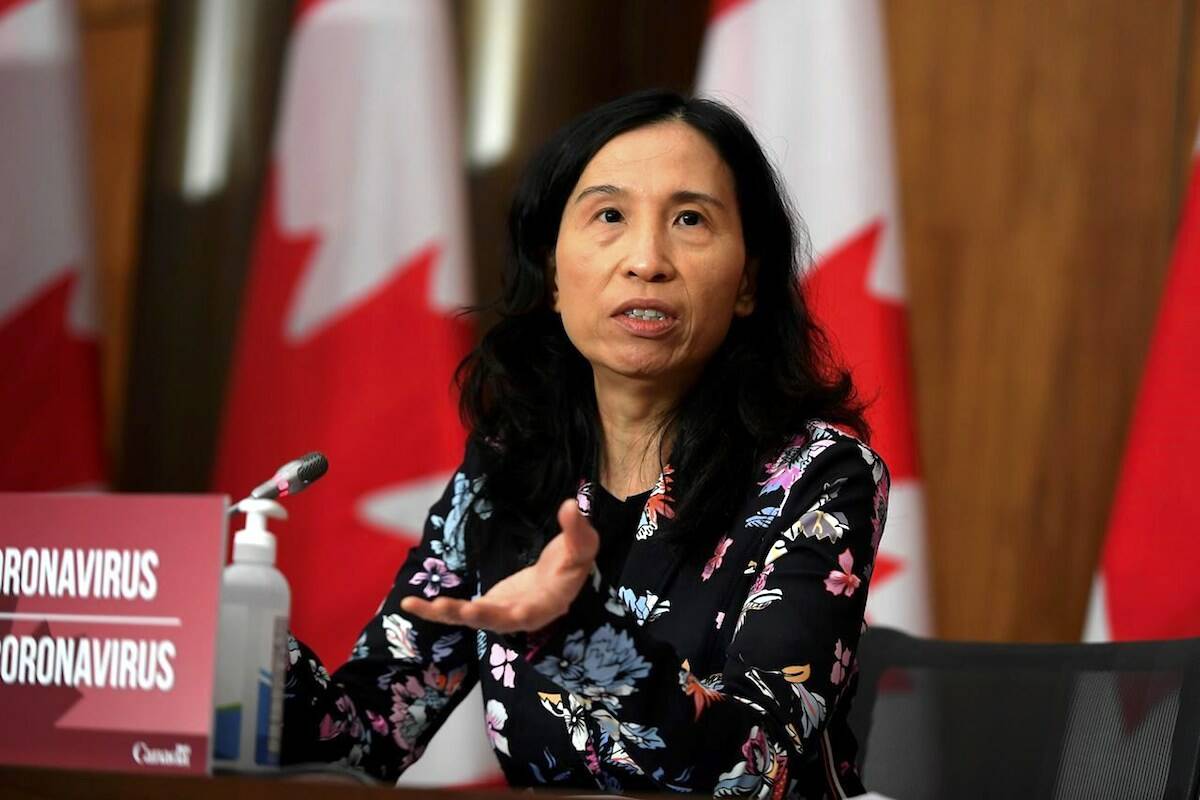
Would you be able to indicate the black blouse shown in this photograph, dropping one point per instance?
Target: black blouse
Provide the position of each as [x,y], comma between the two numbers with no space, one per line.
[727,674]
[616,522]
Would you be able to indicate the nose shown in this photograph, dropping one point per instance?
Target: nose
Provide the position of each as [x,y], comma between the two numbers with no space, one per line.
[649,257]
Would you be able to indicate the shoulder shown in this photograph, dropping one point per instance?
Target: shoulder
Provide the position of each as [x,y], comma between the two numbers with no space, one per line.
[480,456]
[823,475]
[465,494]
[480,462]
[817,451]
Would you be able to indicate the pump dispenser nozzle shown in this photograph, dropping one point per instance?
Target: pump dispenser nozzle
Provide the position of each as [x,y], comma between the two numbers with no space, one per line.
[254,543]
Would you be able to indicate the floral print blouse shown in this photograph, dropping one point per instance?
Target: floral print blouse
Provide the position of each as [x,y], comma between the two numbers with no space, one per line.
[727,674]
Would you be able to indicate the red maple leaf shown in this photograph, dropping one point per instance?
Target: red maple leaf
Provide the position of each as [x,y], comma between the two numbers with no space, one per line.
[372,390]
[869,335]
[886,566]
[50,396]
[37,707]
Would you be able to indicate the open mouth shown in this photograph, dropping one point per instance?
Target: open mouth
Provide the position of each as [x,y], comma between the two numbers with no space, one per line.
[646,318]
[645,313]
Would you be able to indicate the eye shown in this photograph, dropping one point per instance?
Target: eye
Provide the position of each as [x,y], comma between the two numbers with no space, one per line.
[610,215]
[690,219]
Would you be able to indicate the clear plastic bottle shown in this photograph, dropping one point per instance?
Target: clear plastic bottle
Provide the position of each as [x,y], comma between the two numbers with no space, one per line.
[251,647]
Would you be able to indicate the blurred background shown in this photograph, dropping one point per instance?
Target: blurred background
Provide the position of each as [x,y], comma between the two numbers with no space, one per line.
[1041,152]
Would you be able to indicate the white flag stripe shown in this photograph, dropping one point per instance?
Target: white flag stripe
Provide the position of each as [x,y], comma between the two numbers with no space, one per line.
[40,31]
[810,78]
[358,168]
[903,601]
[1096,627]
[402,509]
[44,223]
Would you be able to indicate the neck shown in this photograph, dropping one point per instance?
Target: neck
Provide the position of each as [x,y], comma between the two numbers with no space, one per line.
[632,413]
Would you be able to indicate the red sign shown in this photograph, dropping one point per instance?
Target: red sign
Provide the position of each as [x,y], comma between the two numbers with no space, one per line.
[108,626]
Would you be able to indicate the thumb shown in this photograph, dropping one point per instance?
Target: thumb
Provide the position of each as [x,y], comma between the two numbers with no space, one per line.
[579,536]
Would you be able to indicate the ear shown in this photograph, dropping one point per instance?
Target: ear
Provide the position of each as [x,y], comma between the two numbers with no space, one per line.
[743,306]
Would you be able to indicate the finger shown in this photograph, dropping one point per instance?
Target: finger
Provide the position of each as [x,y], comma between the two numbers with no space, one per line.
[446,610]
[494,616]
[581,540]
[479,613]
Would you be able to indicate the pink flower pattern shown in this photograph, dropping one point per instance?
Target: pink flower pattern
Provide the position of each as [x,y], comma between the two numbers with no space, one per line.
[760,580]
[717,559]
[435,577]
[583,497]
[843,581]
[842,658]
[378,723]
[501,660]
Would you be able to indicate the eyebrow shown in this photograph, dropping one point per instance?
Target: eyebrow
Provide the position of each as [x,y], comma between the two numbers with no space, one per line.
[681,196]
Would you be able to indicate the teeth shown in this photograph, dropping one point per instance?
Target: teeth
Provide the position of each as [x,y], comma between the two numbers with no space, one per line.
[645,313]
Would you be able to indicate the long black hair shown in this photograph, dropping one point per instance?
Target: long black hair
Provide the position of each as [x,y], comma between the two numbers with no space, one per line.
[527,394]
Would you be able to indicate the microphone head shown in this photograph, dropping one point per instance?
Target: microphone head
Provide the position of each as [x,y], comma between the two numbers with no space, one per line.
[293,477]
[312,466]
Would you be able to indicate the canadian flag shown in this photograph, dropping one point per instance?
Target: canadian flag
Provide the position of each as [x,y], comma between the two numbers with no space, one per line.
[810,78]
[49,356]
[349,334]
[1145,587]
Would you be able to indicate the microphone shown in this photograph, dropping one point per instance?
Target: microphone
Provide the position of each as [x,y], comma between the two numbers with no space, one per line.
[293,477]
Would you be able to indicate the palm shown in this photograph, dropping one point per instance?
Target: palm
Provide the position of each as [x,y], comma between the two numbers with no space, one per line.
[530,598]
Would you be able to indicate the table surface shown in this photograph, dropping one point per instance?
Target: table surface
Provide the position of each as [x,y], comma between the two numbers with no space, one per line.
[29,783]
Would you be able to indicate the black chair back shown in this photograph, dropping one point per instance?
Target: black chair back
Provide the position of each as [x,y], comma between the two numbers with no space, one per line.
[954,720]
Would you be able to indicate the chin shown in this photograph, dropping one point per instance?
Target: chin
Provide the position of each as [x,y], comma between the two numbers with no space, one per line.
[641,369]
[641,363]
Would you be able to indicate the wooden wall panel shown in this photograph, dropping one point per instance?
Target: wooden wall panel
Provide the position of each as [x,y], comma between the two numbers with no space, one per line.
[196,246]
[1037,161]
[1186,128]
[116,48]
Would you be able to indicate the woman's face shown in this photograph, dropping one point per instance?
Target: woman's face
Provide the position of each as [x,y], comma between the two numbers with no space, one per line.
[650,267]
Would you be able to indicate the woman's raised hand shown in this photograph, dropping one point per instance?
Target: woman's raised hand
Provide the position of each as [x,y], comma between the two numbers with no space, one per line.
[530,598]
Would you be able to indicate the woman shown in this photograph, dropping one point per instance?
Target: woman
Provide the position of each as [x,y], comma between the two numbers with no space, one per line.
[687,621]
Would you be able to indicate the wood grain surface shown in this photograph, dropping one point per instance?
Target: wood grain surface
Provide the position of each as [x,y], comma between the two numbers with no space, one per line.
[1039,162]
[116,50]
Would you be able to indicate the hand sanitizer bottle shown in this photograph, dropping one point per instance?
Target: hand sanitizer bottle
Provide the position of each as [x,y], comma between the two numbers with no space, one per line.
[251,647]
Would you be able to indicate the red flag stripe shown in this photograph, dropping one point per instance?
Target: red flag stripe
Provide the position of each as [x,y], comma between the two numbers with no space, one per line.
[50,395]
[1151,551]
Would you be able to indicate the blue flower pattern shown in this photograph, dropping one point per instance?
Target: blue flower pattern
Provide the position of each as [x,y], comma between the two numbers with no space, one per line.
[644,607]
[603,666]
[467,497]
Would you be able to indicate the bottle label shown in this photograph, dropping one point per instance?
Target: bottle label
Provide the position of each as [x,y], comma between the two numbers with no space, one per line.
[270,699]
[251,669]
[227,692]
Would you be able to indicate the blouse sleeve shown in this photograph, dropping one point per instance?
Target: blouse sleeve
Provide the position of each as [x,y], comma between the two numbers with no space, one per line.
[405,675]
[632,707]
